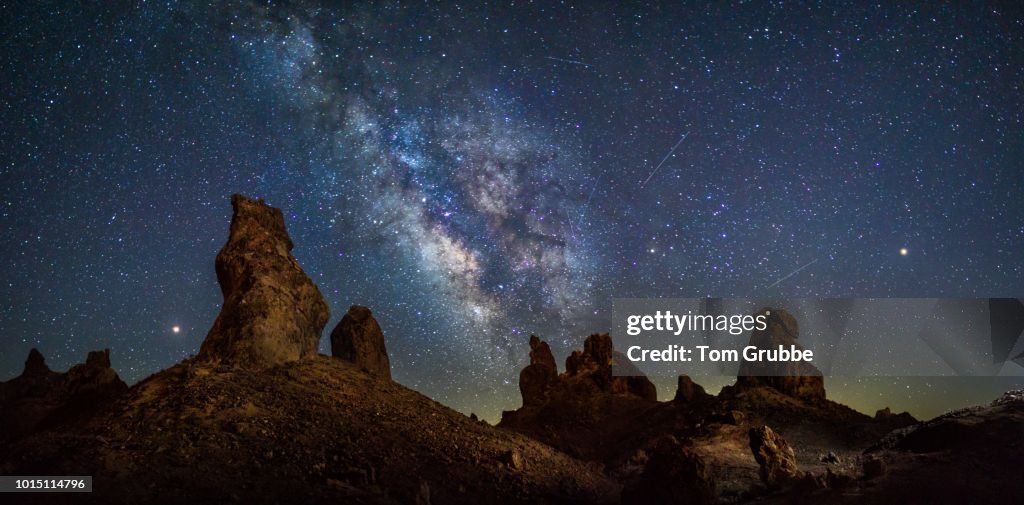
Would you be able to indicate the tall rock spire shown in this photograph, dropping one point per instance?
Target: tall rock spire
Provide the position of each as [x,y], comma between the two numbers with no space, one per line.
[272,312]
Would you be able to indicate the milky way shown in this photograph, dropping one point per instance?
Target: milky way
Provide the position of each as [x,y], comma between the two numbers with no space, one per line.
[475,174]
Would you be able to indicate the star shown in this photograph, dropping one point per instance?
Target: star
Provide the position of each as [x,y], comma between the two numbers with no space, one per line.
[461,198]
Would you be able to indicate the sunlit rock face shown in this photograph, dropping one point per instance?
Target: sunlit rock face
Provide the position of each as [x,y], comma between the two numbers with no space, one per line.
[272,312]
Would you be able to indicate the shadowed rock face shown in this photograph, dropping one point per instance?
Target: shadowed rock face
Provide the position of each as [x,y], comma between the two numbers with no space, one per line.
[359,339]
[796,379]
[272,312]
[95,378]
[540,375]
[40,397]
[895,420]
[587,410]
[688,391]
[673,474]
[35,364]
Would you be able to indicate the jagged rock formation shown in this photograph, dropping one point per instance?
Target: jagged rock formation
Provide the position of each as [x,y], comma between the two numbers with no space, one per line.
[540,375]
[272,313]
[688,391]
[796,379]
[359,339]
[95,378]
[27,399]
[586,410]
[775,458]
[586,413]
[35,364]
[40,397]
[673,474]
[595,363]
[588,369]
[583,413]
[894,420]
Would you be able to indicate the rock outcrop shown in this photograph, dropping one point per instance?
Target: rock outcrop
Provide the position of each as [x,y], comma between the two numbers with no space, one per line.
[894,420]
[688,392]
[40,397]
[796,379]
[587,410]
[540,375]
[272,312]
[775,458]
[595,363]
[673,474]
[94,378]
[359,339]
[35,364]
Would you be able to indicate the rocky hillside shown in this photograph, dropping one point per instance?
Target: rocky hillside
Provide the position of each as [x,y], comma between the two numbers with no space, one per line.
[616,421]
[320,428]
[258,417]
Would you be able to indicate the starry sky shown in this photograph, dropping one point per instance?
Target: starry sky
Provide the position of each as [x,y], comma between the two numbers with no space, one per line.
[477,172]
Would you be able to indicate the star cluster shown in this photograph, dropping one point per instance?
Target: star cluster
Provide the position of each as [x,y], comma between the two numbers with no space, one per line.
[475,173]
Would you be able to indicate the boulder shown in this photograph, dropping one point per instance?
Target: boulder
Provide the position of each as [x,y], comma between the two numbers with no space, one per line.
[272,312]
[359,339]
[798,379]
[514,459]
[775,458]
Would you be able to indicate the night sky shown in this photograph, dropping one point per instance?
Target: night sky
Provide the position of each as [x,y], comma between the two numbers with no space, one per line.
[478,173]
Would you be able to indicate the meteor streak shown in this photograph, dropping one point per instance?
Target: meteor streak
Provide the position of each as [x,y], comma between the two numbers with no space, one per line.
[572,62]
[794,272]
[663,160]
